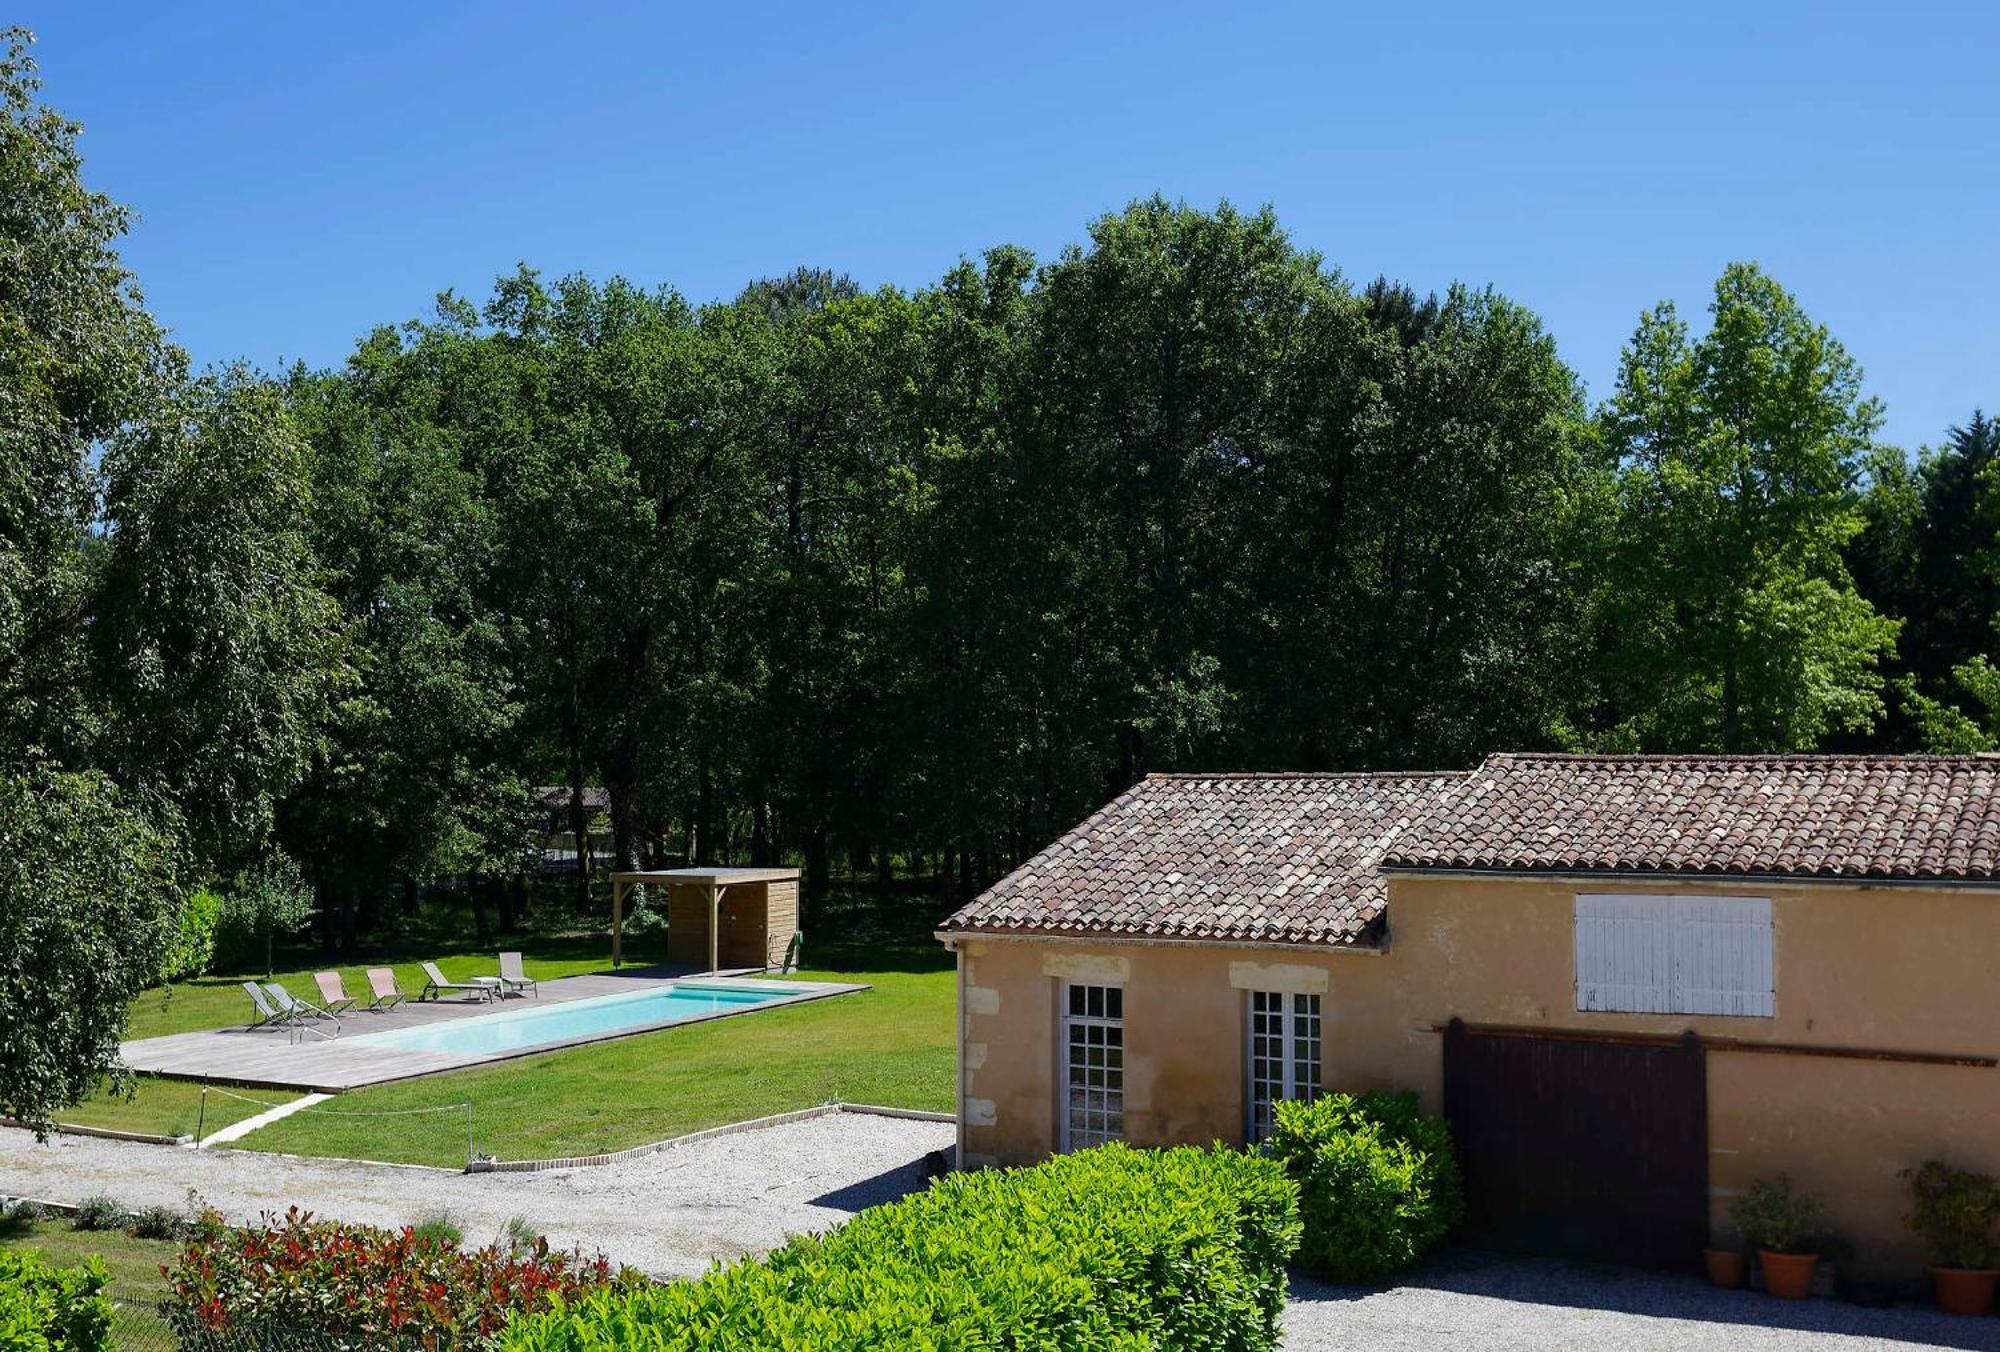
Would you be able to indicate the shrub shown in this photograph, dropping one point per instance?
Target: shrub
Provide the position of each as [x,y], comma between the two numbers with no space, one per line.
[59,1309]
[191,950]
[157,1222]
[1378,1183]
[98,1213]
[1776,1219]
[1112,1247]
[365,1284]
[1953,1211]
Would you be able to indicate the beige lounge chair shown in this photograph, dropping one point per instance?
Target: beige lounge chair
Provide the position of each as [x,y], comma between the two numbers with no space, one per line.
[387,993]
[333,993]
[514,978]
[435,984]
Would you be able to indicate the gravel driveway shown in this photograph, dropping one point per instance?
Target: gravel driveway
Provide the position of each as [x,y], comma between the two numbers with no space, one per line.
[667,1213]
[1466,1300]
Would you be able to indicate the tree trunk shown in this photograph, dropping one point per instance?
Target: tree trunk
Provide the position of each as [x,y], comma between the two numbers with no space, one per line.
[704,815]
[760,830]
[476,890]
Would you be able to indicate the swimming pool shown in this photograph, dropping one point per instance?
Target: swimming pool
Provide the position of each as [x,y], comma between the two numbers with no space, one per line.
[575,1020]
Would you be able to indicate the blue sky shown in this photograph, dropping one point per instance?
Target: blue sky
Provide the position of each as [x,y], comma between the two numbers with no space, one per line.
[306,171]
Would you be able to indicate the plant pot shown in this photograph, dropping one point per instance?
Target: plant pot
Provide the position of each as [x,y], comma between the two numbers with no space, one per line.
[1725,1266]
[1788,1276]
[1964,1290]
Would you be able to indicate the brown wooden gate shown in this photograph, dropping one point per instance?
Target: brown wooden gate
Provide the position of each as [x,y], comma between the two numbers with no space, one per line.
[1581,1148]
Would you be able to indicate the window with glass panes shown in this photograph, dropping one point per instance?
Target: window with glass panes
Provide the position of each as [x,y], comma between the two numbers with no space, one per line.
[1093,1050]
[1284,1053]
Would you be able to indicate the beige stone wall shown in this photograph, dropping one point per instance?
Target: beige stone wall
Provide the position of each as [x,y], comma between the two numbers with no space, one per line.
[1883,968]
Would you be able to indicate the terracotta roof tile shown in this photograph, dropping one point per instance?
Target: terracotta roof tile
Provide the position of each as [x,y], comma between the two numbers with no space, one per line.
[1262,858]
[1889,817]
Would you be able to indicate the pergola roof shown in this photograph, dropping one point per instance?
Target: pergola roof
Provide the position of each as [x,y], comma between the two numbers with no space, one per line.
[718,876]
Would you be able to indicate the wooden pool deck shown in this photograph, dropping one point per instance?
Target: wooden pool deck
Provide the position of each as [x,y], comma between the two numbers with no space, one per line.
[277,1058]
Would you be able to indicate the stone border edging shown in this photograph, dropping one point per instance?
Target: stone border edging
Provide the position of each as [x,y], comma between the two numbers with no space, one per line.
[728,1129]
[103,1133]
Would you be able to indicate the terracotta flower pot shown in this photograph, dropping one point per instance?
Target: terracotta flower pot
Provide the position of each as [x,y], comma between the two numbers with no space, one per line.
[1788,1276]
[1725,1266]
[1964,1290]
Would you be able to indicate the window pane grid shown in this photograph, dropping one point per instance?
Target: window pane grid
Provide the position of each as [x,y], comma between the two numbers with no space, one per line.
[1284,1054]
[1094,1066]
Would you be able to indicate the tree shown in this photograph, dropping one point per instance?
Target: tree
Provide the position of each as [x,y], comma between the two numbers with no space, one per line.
[268,899]
[1724,615]
[163,649]
[88,883]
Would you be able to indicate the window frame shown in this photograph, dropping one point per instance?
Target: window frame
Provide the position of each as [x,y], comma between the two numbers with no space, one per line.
[1301,1060]
[1074,1129]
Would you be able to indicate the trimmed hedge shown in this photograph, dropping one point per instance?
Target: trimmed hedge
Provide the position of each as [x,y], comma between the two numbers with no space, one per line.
[191,951]
[1112,1247]
[52,1309]
[359,1284]
[1378,1183]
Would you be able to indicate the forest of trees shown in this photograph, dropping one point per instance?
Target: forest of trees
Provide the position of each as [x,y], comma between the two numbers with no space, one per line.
[901,582]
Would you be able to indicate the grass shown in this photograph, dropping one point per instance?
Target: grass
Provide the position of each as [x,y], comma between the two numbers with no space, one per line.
[891,1045]
[167,1108]
[134,1265]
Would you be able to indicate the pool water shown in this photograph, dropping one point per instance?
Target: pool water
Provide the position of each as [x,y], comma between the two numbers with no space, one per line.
[534,1026]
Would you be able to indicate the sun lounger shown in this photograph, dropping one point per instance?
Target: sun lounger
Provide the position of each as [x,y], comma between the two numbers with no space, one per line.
[513,978]
[435,984]
[300,1010]
[268,1014]
[388,994]
[333,993]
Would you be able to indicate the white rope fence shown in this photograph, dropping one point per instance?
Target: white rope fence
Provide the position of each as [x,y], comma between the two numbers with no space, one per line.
[201,1114]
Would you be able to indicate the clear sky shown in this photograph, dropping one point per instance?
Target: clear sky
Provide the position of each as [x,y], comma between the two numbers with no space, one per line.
[306,171]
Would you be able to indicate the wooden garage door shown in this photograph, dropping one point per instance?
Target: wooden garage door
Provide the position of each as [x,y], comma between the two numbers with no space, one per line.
[1581,1148]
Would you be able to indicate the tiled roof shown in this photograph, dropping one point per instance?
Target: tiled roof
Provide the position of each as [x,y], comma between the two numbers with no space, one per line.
[1259,858]
[1916,817]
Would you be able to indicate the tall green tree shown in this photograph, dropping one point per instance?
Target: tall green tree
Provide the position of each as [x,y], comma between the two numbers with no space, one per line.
[164,651]
[1724,614]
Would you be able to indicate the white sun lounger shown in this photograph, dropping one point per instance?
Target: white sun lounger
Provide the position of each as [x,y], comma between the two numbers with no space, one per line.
[514,978]
[435,984]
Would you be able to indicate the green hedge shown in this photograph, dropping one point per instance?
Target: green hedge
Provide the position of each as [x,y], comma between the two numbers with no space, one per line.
[1111,1247]
[52,1309]
[1378,1183]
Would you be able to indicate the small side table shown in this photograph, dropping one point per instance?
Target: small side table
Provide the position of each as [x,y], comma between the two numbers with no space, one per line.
[489,985]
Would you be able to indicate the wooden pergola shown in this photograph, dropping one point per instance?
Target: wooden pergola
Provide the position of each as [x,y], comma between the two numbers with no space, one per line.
[776,888]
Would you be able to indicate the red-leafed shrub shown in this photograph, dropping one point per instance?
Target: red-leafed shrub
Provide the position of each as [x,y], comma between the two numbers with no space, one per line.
[371,1284]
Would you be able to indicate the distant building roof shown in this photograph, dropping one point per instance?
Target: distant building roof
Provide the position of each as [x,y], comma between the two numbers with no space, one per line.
[1251,858]
[557,796]
[1847,817]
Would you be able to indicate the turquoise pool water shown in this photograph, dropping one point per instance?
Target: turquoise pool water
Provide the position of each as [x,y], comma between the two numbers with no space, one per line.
[535,1026]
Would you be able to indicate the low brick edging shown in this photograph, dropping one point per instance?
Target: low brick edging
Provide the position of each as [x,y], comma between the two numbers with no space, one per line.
[103,1133]
[728,1129]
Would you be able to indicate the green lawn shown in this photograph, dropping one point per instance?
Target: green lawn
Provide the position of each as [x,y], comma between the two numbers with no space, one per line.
[168,1108]
[892,1045]
[134,1265]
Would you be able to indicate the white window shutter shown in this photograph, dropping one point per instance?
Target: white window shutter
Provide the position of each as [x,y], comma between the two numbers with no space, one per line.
[1722,956]
[1624,956]
[1674,955]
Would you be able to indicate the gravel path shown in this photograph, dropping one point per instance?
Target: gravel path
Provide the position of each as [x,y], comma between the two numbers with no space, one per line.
[667,1213]
[1466,1300]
